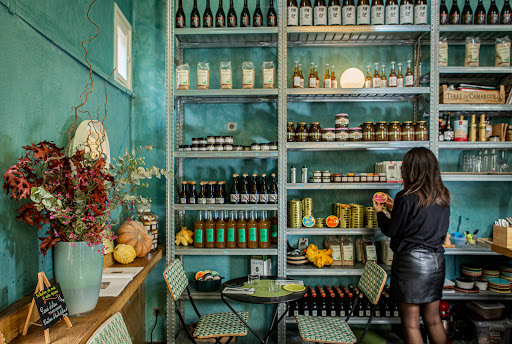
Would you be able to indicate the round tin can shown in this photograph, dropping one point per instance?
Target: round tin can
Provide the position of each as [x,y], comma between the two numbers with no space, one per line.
[308,221]
[461,130]
[195,148]
[187,148]
[195,141]
[317,174]
[326,180]
[295,213]
[307,207]
[273,146]
[228,147]
[219,139]
[332,221]
[219,147]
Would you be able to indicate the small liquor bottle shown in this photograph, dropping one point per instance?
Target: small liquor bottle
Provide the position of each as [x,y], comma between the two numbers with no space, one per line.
[376,77]
[306,17]
[220,17]
[327,77]
[420,12]
[334,12]
[334,82]
[271,15]
[480,14]
[296,76]
[232,21]
[506,13]
[320,13]
[409,77]
[348,12]
[312,79]
[383,79]
[400,77]
[467,14]
[293,13]
[363,12]
[406,12]
[493,14]
[368,82]
[392,13]
[378,12]
[301,76]
[245,17]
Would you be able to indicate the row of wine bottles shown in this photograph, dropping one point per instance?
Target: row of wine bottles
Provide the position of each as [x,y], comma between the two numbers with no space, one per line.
[220,18]
[376,14]
[478,17]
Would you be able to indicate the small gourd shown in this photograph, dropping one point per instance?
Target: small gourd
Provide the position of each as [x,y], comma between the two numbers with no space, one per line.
[133,233]
[124,254]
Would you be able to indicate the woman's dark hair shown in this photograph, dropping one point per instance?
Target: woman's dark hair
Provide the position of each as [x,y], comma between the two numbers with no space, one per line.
[422,177]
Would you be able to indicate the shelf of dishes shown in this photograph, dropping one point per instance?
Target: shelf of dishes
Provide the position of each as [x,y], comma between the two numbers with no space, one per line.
[193,251]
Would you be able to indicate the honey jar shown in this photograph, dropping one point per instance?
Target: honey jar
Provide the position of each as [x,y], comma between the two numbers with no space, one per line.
[368,131]
[408,131]
[421,131]
[381,131]
[394,131]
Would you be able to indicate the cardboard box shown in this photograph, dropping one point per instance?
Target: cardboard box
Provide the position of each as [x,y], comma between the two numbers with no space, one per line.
[261,265]
[392,170]
[471,97]
[502,236]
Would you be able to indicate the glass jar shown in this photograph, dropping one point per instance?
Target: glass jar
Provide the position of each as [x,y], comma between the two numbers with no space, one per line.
[290,135]
[368,131]
[394,131]
[211,140]
[273,146]
[315,132]
[255,147]
[228,140]
[341,134]
[219,140]
[355,134]
[150,222]
[341,120]
[408,131]
[203,141]
[328,135]
[265,147]
[381,131]
[195,141]
[421,131]
[219,147]
[301,133]
[228,147]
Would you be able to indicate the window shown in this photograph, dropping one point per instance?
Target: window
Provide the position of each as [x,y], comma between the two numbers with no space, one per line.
[122,49]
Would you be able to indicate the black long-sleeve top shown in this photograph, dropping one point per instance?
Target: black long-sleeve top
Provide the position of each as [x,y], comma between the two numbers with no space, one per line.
[414,226]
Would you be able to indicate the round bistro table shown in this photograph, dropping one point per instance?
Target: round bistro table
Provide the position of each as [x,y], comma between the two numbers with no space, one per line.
[264,300]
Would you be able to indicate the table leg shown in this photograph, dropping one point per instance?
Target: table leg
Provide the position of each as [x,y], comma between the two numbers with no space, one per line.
[242,320]
[274,323]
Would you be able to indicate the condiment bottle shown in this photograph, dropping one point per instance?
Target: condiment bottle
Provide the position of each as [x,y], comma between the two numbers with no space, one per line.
[334,82]
[368,80]
[220,197]
[392,76]
[327,77]
[201,198]
[273,192]
[241,231]
[263,230]
[482,129]
[254,196]
[376,77]
[264,197]
[296,76]
[220,232]
[409,77]
[383,79]
[244,192]
[312,79]
[231,230]
[209,228]
[199,231]
[192,194]
[273,229]
[316,77]
[234,194]
[210,195]
[400,76]
[183,193]
[252,229]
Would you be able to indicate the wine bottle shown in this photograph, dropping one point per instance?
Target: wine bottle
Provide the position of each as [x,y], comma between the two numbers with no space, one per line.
[220,197]
[201,198]
[444,16]
[314,305]
[441,133]
[467,14]
[232,22]
[306,17]
[378,13]
[210,198]
[264,196]
[361,306]
[244,192]
[192,194]
[220,17]
[180,16]
[392,13]
[183,193]
[245,17]
[406,12]
[480,16]
[273,192]
[234,194]
[293,13]
[271,15]
[420,12]
[348,12]
[320,13]
[317,79]
[195,18]
[454,14]
[254,196]
[334,13]
[257,18]
[493,14]
[207,16]
[448,133]
[506,13]
[363,12]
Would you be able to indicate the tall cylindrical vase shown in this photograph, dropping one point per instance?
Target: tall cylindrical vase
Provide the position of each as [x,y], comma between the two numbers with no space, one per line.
[78,270]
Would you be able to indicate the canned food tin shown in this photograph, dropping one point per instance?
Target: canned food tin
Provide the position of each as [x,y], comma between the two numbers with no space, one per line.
[316,180]
[317,174]
[219,139]
[195,148]
[337,177]
[238,148]
[326,180]
[326,174]
[273,146]
[202,148]
[219,147]
[187,148]
[203,141]
[210,147]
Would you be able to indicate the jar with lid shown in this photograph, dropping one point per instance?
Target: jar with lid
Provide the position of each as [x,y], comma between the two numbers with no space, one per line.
[265,147]
[211,140]
[381,131]
[195,141]
[421,131]
[202,148]
[255,147]
[228,147]
[328,135]
[149,221]
[219,147]
[238,148]
[341,134]
[301,133]
[187,148]
[210,147]
[368,131]
[203,141]
[341,120]
[394,131]
[219,140]
[195,148]
[408,131]
[355,134]
[290,134]
[228,140]
[315,132]
[273,146]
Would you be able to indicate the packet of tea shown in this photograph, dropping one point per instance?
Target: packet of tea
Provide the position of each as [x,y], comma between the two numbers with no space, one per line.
[269,74]
[443,52]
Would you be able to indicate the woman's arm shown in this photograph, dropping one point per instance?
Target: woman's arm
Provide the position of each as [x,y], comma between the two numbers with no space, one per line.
[394,225]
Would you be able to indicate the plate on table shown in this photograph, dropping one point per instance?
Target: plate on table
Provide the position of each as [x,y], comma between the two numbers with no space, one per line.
[294,287]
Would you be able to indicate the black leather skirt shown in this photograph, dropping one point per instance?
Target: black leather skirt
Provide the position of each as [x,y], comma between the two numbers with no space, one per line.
[417,276]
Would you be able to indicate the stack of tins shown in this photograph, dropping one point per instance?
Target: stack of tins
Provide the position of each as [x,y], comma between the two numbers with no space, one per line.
[295,213]
[307,207]
[357,218]
[343,212]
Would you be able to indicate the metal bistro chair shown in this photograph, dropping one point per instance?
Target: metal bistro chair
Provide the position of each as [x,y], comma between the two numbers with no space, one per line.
[216,325]
[336,330]
[112,331]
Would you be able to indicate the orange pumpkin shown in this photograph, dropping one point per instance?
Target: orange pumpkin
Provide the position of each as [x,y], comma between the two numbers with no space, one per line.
[133,233]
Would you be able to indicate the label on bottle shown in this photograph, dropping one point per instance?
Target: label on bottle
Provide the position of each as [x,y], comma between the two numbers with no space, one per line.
[377,312]
[320,15]
[264,198]
[198,235]
[263,235]
[443,19]
[201,200]
[406,14]
[195,21]
[210,200]
[376,82]
[301,83]
[253,234]
[348,253]
[220,235]
[241,235]
[232,21]
[180,22]
[506,18]
[183,200]
[363,15]
[455,18]
[219,200]
[273,231]
[225,77]
[327,83]
[306,19]
[306,312]
[392,17]
[258,21]
[361,313]
[254,198]
[314,313]
[494,18]
[324,312]
[312,82]
[368,83]
[342,313]
[244,198]
[349,15]
[245,21]
[272,198]
[383,83]
[268,77]
[466,20]
[409,80]
[210,237]
[219,22]
[203,77]
[231,234]
[295,312]
[420,14]
[248,76]
[400,82]
[392,81]
[234,198]
[333,312]
[449,135]
[293,16]
[334,15]
[396,314]
[296,81]
[208,22]
[368,313]
[334,83]
[388,313]
[183,78]
[378,15]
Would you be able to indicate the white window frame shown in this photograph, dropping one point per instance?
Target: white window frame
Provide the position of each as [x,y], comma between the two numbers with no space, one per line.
[121,22]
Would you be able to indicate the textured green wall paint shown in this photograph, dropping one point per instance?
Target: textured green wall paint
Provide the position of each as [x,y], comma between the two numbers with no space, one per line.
[39,83]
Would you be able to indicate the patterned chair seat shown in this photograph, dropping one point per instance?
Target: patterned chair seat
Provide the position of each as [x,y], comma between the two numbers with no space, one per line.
[221,325]
[324,330]
[112,331]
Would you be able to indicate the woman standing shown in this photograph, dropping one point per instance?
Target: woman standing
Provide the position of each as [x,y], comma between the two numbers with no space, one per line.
[417,227]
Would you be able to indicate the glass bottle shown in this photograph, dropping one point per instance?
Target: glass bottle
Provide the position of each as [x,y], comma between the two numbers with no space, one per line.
[409,77]
[327,77]
[306,17]
[271,15]
[441,133]
[199,231]
[293,13]
[473,129]
[301,76]
[254,196]
[210,195]
[192,193]
[274,229]
[257,18]
[234,194]
[264,197]
[241,231]
[467,14]
[180,16]
[449,134]
[406,12]
[183,193]
[334,12]
[232,22]
[220,197]
[314,305]
[376,77]
[220,232]
[480,14]
[348,12]
[320,13]
[392,13]
[383,78]
[201,198]
[420,12]
[252,230]
[296,77]
[263,231]
[244,192]
[361,306]
[312,79]
[220,17]
[368,81]
[363,12]
[444,17]
[208,15]
[493,14]
[305,309]
[245,17]
[506,13]
[334,81]
[393,80]
[454,14]
[316,77]
[231,230]
[273,192]
[400,77]
[378,12]
[209,229]
[195,18]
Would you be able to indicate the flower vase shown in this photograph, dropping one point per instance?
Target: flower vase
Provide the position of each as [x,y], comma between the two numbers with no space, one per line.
[78,269]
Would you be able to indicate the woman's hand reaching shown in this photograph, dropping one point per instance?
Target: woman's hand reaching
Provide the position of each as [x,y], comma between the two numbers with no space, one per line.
[389,203]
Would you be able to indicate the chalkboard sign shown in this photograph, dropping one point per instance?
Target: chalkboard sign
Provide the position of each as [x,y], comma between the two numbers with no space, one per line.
[50,305]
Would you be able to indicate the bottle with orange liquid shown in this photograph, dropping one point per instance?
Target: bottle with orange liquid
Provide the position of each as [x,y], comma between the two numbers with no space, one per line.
[263,230]
[199,231]
[209,228]
[252,229]
[220,232]
[241,231]
[231,230]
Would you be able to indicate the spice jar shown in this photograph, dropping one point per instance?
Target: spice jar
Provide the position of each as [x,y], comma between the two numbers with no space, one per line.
[219,140]
[290,135]
[187,148]
[195,141]
[341,134]
[219,147]
[408,131]
[394,131]
[421,131]
[368,131]
[228,147]
[355,134]
[265,147]
[341,120]
[315,132]
[381,131]
[195,148]
[203,141]
[301,133]
[273,146]
[255,147]
[210,147]
[328,135]
[202,148]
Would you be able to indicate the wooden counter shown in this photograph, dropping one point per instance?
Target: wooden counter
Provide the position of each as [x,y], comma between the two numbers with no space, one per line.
[130,303]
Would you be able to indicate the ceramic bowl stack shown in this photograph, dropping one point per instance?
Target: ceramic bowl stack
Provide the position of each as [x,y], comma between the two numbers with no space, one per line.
[471,272]
[488,273]
[506,273]
[499,285]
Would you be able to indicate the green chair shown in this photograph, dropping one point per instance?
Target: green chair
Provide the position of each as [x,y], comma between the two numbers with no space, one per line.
[217,325]
[112,331]
[336,330]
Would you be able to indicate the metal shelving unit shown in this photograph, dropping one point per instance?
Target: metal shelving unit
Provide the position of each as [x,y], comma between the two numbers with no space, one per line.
[340,146]
[476,108]
[248,207]
[475,145]
[193,251]
[227,37]
[311,270]
[332,231]
[227,155]
[212,96]
[481,295]
[471,250]
[344,186]
[486,33]
[389,94]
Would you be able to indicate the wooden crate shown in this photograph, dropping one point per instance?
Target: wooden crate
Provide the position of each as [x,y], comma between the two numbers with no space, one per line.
[502,236]
[471,97]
